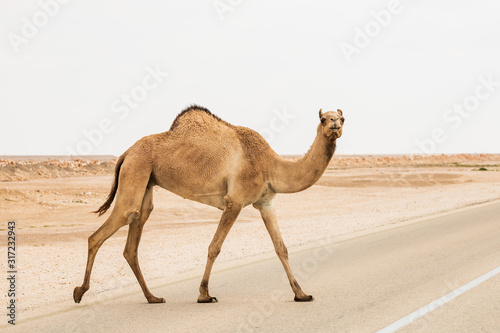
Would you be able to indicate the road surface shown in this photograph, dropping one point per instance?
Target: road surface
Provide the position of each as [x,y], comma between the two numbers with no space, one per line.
[362,284]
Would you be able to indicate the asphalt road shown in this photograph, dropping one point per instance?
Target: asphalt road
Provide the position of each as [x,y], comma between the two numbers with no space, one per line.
[361,284]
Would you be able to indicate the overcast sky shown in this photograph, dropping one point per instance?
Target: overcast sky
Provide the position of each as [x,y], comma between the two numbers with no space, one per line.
[93,77]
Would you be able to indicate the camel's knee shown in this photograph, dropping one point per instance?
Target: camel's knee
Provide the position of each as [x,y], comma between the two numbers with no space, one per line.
[94,241]
[230,205]
[133,215]
[281,250]
[130,255]
[213,251]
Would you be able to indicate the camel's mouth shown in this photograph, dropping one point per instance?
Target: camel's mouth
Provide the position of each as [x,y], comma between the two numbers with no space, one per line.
[335,130]
[334,133]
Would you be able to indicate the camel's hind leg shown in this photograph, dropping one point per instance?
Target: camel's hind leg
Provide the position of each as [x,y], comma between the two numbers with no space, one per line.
[112,224]
[133,239]
[132,185]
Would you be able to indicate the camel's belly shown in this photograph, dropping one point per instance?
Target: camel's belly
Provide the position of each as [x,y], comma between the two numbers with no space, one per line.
[207,191]
[215,199]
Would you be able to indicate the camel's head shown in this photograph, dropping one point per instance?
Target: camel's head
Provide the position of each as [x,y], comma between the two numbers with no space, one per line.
[331,123]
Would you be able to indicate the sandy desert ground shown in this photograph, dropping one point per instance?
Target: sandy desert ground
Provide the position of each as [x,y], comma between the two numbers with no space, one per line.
[51,200]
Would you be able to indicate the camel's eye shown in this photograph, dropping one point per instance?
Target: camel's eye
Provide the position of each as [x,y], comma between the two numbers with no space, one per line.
[323,120]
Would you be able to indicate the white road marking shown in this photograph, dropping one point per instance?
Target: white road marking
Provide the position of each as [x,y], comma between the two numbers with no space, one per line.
[397,325]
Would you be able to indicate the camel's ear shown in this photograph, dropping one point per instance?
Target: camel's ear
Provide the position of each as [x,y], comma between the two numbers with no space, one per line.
[320,113]
[339,112]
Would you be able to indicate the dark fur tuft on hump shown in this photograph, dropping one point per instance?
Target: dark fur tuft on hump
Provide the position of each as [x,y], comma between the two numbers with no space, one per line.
[192,108]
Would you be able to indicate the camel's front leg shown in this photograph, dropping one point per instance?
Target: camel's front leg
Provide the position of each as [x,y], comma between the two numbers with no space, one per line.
[229,215]
[269,216]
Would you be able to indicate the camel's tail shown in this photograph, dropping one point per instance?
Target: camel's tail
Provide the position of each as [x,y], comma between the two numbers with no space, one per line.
[105,206]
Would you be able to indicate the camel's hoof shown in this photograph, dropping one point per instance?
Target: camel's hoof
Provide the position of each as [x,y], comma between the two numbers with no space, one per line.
[153,299]
[204,299]
[78,293]
[304,299]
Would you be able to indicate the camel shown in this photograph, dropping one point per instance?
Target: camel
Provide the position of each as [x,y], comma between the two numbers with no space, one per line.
[205,159]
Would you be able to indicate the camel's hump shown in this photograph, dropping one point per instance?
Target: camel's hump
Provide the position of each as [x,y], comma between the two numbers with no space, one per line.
[195,112]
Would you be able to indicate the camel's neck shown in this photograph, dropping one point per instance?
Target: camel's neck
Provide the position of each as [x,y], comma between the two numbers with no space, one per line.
[290,177]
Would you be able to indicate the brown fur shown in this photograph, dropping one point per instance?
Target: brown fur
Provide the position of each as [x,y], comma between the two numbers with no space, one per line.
[205,159]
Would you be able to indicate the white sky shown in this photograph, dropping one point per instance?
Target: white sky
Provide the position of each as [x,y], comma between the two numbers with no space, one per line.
[264,56]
